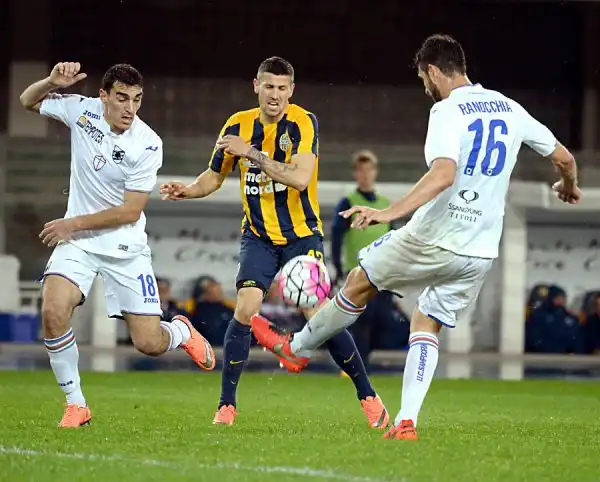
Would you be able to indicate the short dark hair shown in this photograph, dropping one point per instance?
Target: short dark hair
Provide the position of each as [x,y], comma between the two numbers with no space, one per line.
[444,52]
[276,66]
[364,157]
[124,73]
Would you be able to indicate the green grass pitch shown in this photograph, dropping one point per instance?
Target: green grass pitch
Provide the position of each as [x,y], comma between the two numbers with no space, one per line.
[156,426]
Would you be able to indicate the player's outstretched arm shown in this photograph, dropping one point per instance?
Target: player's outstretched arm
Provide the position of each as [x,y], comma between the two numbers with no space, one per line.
[204,185]
[440,177]
[64,74]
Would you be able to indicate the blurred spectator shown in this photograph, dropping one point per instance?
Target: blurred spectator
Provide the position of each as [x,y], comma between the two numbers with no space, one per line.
[377,323]
[168,305]
[592,328]
[211,310]
[551,328]
[536,296]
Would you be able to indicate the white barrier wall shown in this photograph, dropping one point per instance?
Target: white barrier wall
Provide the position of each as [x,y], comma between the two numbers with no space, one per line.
[544,241]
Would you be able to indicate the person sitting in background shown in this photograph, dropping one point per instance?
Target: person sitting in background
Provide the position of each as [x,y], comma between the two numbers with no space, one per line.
[551,328]
[169,306]
[211,309]
[592,328]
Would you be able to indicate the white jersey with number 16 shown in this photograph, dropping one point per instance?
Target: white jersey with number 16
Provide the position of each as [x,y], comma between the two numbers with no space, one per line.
[482,131]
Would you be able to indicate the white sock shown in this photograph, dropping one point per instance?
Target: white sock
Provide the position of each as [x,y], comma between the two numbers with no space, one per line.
[420,366]
[331,319]
[64,358]
[178,331]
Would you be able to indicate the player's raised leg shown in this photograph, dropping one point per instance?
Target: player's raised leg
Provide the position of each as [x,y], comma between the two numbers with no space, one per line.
[332,318]
[132,294]
[153,337]
[258,267]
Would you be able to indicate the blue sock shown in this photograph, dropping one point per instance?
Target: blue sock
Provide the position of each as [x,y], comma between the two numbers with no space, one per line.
[343,350]
[235,353]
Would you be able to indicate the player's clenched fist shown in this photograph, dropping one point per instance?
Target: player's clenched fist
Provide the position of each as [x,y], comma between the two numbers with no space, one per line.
[174,191]
[65,74]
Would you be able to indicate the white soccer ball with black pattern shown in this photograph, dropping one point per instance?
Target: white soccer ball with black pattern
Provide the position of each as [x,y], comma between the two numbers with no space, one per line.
[304,282]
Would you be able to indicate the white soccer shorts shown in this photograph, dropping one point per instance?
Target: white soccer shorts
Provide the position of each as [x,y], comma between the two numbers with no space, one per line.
[449,283]
[129,284]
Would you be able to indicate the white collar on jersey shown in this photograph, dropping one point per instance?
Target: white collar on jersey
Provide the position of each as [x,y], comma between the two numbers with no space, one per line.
[462,88]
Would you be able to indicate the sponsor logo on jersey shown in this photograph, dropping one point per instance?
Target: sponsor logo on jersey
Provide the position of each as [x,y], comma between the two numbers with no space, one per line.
[152,148]
[151,300]
[95,134]
[468,196]
[91,115]
[123,247]
[99,163]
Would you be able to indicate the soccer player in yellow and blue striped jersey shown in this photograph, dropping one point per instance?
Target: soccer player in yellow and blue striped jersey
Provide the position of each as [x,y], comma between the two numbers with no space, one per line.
[275,149]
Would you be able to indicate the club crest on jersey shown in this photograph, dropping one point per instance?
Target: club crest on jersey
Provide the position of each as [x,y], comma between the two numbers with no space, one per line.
[99,162]
[118,155]
[285,142]
[95,134]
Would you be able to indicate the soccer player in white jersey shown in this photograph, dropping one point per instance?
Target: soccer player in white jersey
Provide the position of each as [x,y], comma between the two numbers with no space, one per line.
[448,246]
[115,157]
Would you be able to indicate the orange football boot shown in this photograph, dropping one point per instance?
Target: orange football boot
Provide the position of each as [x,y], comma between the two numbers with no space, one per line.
[225,415]
[278,343]
[75,416]
[405,431]
[376,413]
[197,347]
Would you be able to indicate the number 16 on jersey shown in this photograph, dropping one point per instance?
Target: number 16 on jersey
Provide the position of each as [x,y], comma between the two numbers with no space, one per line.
[493,147]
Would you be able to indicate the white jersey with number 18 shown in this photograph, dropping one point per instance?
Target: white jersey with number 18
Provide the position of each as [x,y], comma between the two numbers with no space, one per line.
[104,165]
[482,131]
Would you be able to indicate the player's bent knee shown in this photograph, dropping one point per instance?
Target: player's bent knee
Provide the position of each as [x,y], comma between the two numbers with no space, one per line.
[424,323]
[59,299]
[249,301]
[55,318]
[358,289]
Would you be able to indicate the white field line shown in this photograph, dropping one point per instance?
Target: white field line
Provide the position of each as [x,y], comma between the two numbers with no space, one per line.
[263,469]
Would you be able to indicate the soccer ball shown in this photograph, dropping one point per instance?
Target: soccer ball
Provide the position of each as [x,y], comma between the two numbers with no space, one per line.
[304,282]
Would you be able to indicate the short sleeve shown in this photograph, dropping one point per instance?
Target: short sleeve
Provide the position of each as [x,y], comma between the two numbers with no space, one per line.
[536,135]
[443,136]
[220,161]
[305,139]
[142,176]
[65,108]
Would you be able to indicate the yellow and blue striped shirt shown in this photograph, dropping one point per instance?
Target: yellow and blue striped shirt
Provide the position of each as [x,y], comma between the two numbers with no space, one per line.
[272,210]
